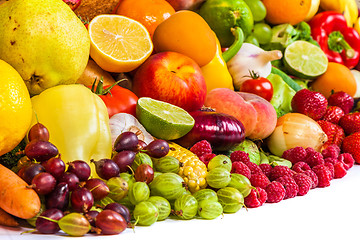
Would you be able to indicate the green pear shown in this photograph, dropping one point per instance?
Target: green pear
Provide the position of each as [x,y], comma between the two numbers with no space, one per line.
[44,41]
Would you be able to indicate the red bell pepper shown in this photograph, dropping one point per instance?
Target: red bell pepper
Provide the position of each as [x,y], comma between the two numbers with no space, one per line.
[340,43]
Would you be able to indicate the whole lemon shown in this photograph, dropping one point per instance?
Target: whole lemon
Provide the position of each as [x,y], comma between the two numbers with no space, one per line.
[15,108]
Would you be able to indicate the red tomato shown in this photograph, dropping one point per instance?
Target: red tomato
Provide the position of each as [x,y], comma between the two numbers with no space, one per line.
[119,100]
[260,86]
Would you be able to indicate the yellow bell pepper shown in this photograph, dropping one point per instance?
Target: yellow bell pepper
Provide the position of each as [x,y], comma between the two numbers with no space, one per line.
[77,120]
[346,7]
[215,73]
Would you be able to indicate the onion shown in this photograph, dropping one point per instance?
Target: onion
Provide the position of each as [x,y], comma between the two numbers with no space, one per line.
[221,130]
[295,130]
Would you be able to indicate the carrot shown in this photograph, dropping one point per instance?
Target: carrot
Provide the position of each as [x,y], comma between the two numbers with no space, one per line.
[15,196]
[7,220]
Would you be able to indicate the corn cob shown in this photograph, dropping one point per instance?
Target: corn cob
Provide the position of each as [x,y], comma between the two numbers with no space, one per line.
[193,170]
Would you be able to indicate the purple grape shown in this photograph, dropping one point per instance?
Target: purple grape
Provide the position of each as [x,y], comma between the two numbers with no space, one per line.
[91,216]
[46,226]
[81,200]
[124,159]
[80,168]
[71,179]
[121,209]
[31,171]
[55,166]
[39,132]
[106,168]
[43,183]
[97,187]
[144,173]
[59,197]
[141,145]
[157,148]
[126,141]
[40,150]
[110,222]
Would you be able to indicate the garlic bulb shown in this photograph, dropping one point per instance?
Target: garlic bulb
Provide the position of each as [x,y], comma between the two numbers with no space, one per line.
[251,58]
[123,122]
[295,130]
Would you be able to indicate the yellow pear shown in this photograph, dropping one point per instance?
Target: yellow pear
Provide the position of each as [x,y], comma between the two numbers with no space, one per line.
[44,41]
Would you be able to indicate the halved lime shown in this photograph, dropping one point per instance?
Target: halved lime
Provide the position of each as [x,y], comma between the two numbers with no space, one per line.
[305,60]
[163,120]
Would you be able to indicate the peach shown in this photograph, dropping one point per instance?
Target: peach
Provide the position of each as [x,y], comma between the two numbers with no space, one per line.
[256,114]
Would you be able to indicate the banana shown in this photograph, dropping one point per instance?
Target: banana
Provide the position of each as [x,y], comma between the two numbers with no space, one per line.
[333,5]
[351,12]
[346,7]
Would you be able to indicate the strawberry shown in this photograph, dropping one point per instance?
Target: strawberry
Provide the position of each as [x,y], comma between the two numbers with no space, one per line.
[333,114]
[311,103]
[351,144]
[342,100]
[334,133]
[350,122]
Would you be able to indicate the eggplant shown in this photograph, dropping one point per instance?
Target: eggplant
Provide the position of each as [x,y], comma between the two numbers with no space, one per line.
[221,130]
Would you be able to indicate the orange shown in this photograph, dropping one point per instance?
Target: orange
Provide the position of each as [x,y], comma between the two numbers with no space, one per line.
[286,11]
[15,108]
[186,32]
[336,78]
[148,12]
[118,43]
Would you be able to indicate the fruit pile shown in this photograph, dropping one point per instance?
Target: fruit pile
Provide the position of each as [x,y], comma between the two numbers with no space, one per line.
[171,109]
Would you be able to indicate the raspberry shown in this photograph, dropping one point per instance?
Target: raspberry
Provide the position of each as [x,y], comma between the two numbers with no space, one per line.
[295,154]
[300,167]
[259,180]
[331,160]
[330,166]
[309,151]
[323,174]
[313,177]
[240,156]
[347,159]
[205,158]
[339,170]
[291,188]
[275,192]
[279,171]
[241,168]
[265,168]
[256,198]
[332,150]
[201,147]
[314,158]
[304,183]
[254,168]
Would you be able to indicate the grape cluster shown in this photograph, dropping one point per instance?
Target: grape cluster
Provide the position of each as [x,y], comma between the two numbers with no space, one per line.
[69,195]
[68,188]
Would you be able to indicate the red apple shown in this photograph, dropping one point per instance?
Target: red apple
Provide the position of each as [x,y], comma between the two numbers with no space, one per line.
[171,77]
[256,114]
[185,4]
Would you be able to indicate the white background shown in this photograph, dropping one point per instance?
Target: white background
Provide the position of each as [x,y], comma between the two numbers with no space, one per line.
[324,213]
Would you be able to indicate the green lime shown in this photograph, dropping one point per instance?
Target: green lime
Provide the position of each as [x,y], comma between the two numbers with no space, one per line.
[163,120]
[222,15]
[305,60]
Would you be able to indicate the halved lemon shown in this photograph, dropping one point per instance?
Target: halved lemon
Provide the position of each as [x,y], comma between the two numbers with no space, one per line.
[118,43]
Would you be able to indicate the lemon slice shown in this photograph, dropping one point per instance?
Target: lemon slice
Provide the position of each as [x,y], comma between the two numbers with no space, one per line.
[118,43]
